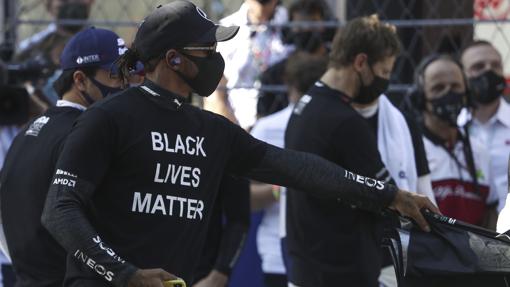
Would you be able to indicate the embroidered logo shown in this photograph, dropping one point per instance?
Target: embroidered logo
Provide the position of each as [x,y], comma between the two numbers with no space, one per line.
[36,126]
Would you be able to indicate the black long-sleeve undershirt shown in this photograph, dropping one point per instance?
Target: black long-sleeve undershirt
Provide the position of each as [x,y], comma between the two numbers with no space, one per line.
[110,150]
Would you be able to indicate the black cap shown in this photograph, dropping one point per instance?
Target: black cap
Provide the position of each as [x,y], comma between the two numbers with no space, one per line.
[175,25]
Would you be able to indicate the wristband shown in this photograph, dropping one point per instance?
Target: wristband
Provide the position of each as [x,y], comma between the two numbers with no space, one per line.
[276,192]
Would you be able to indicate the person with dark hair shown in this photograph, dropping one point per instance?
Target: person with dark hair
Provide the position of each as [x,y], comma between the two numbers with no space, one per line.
[331,244]
[257,46]
[459,163]
[37,258]
[312,40]
[271,198]
[490,119]
[138,176]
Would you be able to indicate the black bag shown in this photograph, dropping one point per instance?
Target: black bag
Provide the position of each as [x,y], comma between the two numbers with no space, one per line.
[454,253]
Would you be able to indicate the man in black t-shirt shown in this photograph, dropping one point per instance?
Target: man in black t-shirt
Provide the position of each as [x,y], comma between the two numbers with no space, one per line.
[331,244]
[139,174]
[37,258]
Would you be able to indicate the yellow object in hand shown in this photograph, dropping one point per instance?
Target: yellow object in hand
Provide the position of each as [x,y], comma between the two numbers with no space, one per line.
[174,283]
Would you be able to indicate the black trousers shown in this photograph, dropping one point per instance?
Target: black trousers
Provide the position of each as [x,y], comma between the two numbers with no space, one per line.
[8,276]
[275,280]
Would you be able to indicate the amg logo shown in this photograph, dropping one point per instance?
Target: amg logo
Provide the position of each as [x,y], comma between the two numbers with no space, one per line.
[100,269]
[370,182]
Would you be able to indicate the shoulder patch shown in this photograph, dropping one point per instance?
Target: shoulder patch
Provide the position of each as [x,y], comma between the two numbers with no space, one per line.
[36,126]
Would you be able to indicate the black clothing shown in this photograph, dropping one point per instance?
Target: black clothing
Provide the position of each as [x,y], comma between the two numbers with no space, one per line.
[8,275]
[275,280]
[225,240]
[270,102]
[422,165]
[332,244]
[28,169]
[140,172]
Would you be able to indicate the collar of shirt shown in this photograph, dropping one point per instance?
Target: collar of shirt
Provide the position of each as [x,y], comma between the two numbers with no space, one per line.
[435,139]
[330,91]
[502,116]
[503,113]
[65,103]
[161,95]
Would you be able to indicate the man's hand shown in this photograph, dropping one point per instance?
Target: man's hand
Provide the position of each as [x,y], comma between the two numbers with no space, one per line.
[214,279]
[410,205]
[150,278]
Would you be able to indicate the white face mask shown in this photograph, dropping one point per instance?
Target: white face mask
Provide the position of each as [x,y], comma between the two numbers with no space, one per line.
[368,112]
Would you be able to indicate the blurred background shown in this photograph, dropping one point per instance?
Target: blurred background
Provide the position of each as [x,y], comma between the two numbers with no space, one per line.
[425,26]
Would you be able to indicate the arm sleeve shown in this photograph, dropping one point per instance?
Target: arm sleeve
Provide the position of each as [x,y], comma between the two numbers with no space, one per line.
[425,188]
[84,161]
[315,175]
[307,172]
[235,201]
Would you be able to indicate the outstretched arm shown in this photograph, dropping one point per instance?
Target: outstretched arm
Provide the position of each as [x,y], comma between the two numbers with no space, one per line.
[313,174]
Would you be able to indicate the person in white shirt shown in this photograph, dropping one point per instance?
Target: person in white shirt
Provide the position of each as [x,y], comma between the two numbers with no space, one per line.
[251,52]
[271,199]
[459,163]
[490,121]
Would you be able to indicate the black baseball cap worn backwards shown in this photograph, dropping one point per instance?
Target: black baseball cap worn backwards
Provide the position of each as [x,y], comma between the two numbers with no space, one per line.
[175,25]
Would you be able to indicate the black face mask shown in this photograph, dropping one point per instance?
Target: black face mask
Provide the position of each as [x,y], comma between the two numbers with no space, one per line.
[369,93]
[487,87]
[308,41]
[105,90]
[210,71]
[448,107]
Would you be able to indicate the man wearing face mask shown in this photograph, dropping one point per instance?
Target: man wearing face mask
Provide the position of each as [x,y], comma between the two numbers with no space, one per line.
[490,122]
[459,164]
[331,244]
[313,41]
[139,173]
[86,61]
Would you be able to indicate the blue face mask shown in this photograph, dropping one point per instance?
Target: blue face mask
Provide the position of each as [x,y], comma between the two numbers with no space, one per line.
[105,90]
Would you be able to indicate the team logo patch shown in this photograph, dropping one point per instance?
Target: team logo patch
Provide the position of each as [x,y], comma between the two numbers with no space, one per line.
[88,59]
[36,126]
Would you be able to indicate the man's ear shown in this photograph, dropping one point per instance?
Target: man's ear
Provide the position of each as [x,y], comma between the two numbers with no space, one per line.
[79,79]
[359,61]
[173,59]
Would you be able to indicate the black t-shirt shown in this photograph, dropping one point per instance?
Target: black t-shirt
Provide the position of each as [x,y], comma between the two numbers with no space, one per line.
[331,244]
[422,165]
[146,168]
[28,169]
[227,230]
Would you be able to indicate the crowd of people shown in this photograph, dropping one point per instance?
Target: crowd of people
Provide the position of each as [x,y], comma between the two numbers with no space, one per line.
[118,180]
